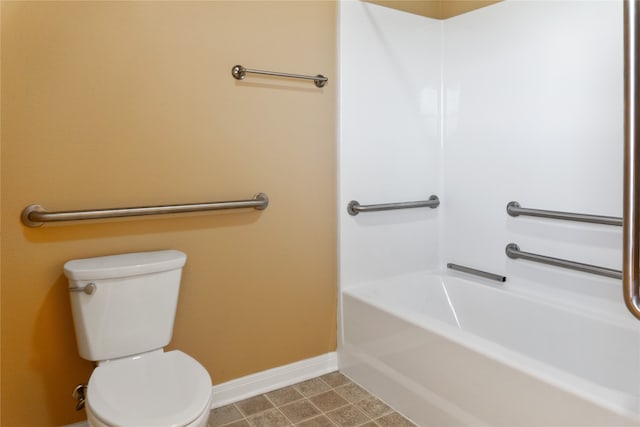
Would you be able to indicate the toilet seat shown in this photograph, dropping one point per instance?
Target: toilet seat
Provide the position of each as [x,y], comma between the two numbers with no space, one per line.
[153,390]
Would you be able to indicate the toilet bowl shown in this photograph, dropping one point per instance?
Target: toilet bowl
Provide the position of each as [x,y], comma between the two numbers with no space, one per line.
[123,310]
[157,389]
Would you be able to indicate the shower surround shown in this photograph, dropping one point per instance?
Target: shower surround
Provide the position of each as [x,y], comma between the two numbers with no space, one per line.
[519,101]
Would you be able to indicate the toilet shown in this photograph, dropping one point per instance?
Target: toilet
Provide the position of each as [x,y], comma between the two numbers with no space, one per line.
[123,311]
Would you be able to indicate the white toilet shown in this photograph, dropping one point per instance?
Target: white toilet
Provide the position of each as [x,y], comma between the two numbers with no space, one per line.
[123,310]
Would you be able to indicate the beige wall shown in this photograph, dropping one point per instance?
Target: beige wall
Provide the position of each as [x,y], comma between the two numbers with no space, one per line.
[108,104]
[439,9]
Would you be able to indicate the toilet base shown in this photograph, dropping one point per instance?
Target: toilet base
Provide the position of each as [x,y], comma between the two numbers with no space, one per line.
[201,421]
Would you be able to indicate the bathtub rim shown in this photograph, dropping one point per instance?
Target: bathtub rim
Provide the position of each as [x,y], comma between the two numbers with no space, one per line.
[620,319]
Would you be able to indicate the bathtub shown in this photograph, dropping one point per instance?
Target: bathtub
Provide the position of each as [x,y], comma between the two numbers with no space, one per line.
[447,351]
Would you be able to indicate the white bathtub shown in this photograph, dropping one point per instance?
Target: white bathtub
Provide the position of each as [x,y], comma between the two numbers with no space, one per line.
[447,351]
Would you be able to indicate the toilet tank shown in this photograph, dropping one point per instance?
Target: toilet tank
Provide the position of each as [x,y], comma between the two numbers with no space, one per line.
[133,306]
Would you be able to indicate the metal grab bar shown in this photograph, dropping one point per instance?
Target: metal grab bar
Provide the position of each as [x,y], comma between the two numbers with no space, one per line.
[631,228]
[354,208]
[238,72]
[469,270]
[514,209]
[36,215]
[513,251]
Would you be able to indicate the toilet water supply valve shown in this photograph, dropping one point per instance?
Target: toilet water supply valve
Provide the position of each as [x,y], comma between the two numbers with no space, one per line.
[79,393]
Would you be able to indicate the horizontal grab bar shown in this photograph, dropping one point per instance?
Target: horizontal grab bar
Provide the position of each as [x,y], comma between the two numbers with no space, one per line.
[469,270]
[354,208]
[36,215]
[513,251]
[238,72]
[514,209]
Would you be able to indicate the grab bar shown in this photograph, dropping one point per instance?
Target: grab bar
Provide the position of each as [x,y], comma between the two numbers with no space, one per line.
[513,251]
[36,215]
[514,209]
[469,270]
[354,208]
[238,72]
[631,228]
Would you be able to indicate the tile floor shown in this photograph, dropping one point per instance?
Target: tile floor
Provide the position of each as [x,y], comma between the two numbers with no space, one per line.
[327,401]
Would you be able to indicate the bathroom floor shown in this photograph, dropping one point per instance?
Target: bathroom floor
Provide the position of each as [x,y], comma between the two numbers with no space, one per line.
[327,401]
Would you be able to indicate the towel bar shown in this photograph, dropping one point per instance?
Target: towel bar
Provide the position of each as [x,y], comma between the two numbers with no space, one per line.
[238,72]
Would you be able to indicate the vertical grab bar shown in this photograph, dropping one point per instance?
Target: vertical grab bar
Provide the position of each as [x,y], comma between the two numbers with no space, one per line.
[631,213]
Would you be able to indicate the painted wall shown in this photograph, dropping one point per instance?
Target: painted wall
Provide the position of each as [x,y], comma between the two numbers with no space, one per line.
[533,101]
[108,104]
[439,9]
[389,140]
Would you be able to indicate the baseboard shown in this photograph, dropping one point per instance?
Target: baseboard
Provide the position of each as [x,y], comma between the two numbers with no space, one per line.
[273,379]
[265,381]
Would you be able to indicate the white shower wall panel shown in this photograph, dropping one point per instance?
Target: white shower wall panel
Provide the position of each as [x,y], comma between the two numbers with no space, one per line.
[533,112]
[390,77]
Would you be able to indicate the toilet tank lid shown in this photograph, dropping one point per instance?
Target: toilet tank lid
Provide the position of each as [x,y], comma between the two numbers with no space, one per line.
[123,265]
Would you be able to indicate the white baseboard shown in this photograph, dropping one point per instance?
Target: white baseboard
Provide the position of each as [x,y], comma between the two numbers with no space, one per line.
[265,381]
[273,379]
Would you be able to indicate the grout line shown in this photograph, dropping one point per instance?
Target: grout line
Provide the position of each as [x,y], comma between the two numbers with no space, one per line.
[285,415]
[271,401]
[244,417]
